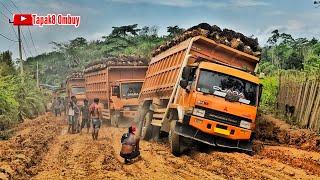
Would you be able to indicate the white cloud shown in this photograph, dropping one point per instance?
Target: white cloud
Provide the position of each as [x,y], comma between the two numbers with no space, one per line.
[55,6]
[197,3]
[249,3]
[275,13]
[177,3]
[96,36]
[295,25]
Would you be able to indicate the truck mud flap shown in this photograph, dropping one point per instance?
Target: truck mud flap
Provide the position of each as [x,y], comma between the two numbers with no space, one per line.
[195,134]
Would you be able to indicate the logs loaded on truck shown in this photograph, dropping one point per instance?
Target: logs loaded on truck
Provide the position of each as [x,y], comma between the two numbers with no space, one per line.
[199,90]
[117,82]
[75,87]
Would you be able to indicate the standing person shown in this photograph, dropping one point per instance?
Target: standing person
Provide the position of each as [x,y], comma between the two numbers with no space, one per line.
[56,106]
[130,145]
[49,107]
[76,124]
[96,116]
[85,116]
[71,115]
[61,107]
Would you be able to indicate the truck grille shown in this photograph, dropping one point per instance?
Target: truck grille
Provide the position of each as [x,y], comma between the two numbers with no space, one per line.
[222,117]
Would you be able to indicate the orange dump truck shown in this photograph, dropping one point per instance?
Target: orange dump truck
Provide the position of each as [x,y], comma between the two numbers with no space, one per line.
[75,87]
[117,82]
[200,91]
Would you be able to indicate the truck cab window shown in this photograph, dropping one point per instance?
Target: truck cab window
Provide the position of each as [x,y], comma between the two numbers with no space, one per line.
[130,90]
[78,90]
[210,82]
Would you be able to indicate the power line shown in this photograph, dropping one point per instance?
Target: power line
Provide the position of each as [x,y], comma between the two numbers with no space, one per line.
[32,41]
[15,33]
[5,7]
[25,54]
[27,45]
[9,20]
[33,44]
[8,38]
[4,15]
[14,4]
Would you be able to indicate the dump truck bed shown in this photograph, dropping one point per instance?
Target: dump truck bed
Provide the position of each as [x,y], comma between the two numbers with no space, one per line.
[164,68]
[98,82]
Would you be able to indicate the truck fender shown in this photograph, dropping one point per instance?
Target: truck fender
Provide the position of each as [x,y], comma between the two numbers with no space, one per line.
[178,113]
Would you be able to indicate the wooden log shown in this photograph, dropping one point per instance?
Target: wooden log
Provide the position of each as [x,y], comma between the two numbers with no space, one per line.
[303,103]
[316,105]
[297,104]
[306,105]
[309,104]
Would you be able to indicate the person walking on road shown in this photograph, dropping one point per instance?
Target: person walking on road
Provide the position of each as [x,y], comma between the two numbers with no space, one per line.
[85,116]
[61,107]
[71,107]
[76,124]
[130,145]
[96,116]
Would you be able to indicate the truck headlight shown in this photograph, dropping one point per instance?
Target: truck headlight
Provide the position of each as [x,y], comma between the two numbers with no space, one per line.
[198,112]
[245,124]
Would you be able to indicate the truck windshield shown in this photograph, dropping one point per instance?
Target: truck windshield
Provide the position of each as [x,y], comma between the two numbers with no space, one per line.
[130,90]
[227,86]
[78,90]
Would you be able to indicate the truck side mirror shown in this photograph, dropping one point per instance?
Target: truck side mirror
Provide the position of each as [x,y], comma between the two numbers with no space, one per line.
[116,91]
[183,83]
[186,72]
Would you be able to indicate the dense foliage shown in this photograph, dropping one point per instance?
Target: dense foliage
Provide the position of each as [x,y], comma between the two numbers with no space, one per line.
[284,52]
[19,98]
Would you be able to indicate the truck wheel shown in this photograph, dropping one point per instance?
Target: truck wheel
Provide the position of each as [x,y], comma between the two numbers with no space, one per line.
[112,119]
[147,127]
[175,140]
[155,132]
[115,119]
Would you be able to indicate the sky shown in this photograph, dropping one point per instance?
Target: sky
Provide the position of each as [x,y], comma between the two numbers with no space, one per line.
[251,17]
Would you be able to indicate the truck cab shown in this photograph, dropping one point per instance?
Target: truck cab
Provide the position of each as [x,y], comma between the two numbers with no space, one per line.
[79,92]
[76,87]
[200,91]
[218,100]
[124,99]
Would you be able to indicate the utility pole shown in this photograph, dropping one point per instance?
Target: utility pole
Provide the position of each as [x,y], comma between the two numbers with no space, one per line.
[20,51]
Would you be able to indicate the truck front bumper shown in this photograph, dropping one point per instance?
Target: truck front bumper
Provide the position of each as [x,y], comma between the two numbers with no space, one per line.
[188,131]
[129,114]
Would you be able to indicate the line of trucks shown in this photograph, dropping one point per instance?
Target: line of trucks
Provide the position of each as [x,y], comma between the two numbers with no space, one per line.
[196,92]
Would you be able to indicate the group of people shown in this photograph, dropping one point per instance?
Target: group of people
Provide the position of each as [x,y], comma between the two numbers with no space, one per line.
[90,114]
[93,115]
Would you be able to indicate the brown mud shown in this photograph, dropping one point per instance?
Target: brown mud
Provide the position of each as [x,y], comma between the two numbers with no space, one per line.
[42,149]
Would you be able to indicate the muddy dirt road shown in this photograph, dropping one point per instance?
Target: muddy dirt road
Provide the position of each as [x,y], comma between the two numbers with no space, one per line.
[76,156]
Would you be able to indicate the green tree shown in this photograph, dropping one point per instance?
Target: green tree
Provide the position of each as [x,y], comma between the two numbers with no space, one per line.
[174,30]
[6,64]
[125,30]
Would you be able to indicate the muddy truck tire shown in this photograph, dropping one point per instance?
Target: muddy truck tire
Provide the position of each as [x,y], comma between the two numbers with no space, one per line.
[147,127]
[175,140]
[115,118]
